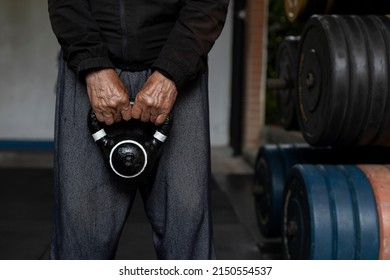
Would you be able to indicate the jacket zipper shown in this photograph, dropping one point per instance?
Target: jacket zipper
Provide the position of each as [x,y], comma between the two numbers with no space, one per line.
[125,32]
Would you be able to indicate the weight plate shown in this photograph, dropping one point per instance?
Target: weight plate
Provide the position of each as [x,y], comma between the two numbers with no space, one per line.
[344,103]
[358,95]
[306,215]
[323,80]
[379,177]
[329,213]
[378,85]
[343,220]
[365,213]
[383,136]
[286,68]
[366,227]
[269,181]
[274,162]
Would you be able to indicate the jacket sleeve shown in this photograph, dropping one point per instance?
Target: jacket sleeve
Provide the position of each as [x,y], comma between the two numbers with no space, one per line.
[78,34]
[184,55]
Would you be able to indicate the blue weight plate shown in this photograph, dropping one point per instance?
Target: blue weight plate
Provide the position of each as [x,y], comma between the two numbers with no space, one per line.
[268,189]
[272,166]
[307,215]
[344,224]
[274,163]
[366,216]
[296,222]
[329,213]
[290,154]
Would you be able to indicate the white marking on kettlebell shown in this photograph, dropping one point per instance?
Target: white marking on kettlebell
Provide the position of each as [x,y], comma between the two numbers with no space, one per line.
[99,135]
[143,151]
[159,136]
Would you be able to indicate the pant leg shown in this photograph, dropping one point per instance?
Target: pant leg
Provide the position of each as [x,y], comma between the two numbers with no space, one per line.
[90,207]
[178,203]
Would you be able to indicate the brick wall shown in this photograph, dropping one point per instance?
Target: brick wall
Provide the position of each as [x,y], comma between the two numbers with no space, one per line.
[255,69]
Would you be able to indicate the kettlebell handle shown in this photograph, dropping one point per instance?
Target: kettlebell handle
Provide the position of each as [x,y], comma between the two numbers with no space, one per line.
[98,133]
[163,130]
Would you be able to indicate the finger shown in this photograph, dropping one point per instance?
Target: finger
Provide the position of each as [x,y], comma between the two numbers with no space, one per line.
[117,115]
[160,119]
[99,116]
[104,109]
[136,112]
[153,118]
[109,121]
[108,118]
[145,116]
[126,113]
[117,118]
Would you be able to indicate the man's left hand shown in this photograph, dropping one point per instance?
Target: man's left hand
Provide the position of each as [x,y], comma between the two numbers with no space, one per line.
[155,100]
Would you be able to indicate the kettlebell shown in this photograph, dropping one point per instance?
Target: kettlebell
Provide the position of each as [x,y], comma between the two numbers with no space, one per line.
[130,155]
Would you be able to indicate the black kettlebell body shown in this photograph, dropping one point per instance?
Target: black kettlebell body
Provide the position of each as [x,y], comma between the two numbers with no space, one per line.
[130,155]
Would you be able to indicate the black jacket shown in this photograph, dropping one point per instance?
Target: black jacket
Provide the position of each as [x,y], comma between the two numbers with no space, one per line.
[173,36]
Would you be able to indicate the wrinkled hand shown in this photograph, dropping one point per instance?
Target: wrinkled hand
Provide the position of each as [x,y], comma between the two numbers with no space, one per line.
[108,96]
[155,100]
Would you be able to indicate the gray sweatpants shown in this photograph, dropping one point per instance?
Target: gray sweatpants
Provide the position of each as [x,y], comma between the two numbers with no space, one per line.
[91,206]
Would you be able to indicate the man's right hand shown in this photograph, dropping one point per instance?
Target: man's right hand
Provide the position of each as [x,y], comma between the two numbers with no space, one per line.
[108,96]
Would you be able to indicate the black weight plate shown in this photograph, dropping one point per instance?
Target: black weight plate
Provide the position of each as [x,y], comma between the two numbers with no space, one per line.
[383,136]
[286,67]
[323,80]
[358,94]
[378,84]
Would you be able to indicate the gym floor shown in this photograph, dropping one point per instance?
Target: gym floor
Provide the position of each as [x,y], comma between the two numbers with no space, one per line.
[26,217]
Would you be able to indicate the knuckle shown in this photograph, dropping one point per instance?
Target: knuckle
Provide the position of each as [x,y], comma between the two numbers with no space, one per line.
[112,103]
[146,100]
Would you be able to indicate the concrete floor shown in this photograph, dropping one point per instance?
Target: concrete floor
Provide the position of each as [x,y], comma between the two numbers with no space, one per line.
[26,201]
